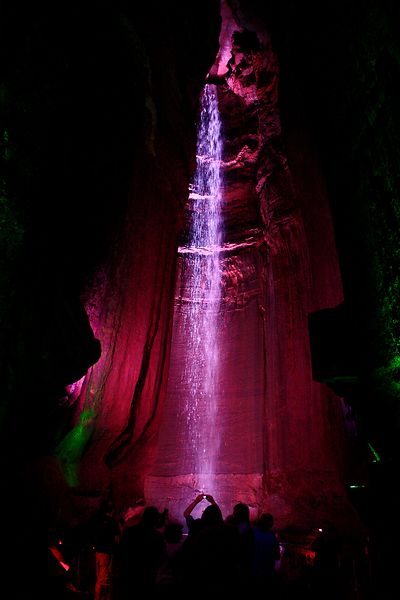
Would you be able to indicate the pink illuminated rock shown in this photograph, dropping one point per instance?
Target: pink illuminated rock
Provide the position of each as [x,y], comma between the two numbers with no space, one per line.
[282,443]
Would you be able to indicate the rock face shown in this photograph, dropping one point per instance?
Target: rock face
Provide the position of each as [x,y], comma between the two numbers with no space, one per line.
[98,148]
[100,110]
[281,434]
[130,299]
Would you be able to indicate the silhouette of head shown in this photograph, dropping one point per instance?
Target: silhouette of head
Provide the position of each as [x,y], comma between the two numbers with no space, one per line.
[265,522]
[151,516]
[212,515]
[241,512]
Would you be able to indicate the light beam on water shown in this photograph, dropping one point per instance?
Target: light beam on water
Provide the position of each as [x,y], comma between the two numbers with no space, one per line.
[201,270]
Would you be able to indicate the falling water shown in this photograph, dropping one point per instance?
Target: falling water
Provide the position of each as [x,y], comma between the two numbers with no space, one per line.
[201,273]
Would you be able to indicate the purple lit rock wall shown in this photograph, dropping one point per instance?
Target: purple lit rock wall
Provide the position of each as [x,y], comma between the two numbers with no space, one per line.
[98,149]
[282,441]
[281,434]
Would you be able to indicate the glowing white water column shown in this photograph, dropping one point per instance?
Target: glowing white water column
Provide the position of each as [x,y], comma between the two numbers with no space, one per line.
[201,271]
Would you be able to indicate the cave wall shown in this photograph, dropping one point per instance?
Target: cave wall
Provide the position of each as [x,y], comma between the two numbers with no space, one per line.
[111,417]
[129,301]
[99,104]
[85,127]
[282,436]
[350,95]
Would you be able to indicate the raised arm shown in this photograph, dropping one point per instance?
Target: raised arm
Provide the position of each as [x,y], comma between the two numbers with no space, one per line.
[192,505]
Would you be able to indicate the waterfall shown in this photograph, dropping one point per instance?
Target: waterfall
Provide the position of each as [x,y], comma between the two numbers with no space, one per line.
[201,272]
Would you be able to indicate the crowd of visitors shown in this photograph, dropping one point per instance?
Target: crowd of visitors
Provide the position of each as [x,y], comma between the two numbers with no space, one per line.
[209,555]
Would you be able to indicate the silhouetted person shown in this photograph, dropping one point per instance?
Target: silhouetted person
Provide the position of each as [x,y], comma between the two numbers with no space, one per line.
[240,520]
[209,556]
[142,550]
[195,524]
[266,553]
[106,530]
[167,574]
[326,568]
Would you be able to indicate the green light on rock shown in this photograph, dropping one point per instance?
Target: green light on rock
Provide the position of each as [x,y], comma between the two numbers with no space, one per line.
[374,452]
[71,448]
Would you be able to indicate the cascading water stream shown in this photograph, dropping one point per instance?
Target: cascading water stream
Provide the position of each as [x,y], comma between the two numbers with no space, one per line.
[201,271]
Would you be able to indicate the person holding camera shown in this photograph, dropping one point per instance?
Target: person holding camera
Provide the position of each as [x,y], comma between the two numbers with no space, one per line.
[192,523]
[210,552]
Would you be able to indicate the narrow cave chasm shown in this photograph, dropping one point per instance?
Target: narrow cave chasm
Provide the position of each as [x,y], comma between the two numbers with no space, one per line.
[279,436]
[266,421]
[276,438]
